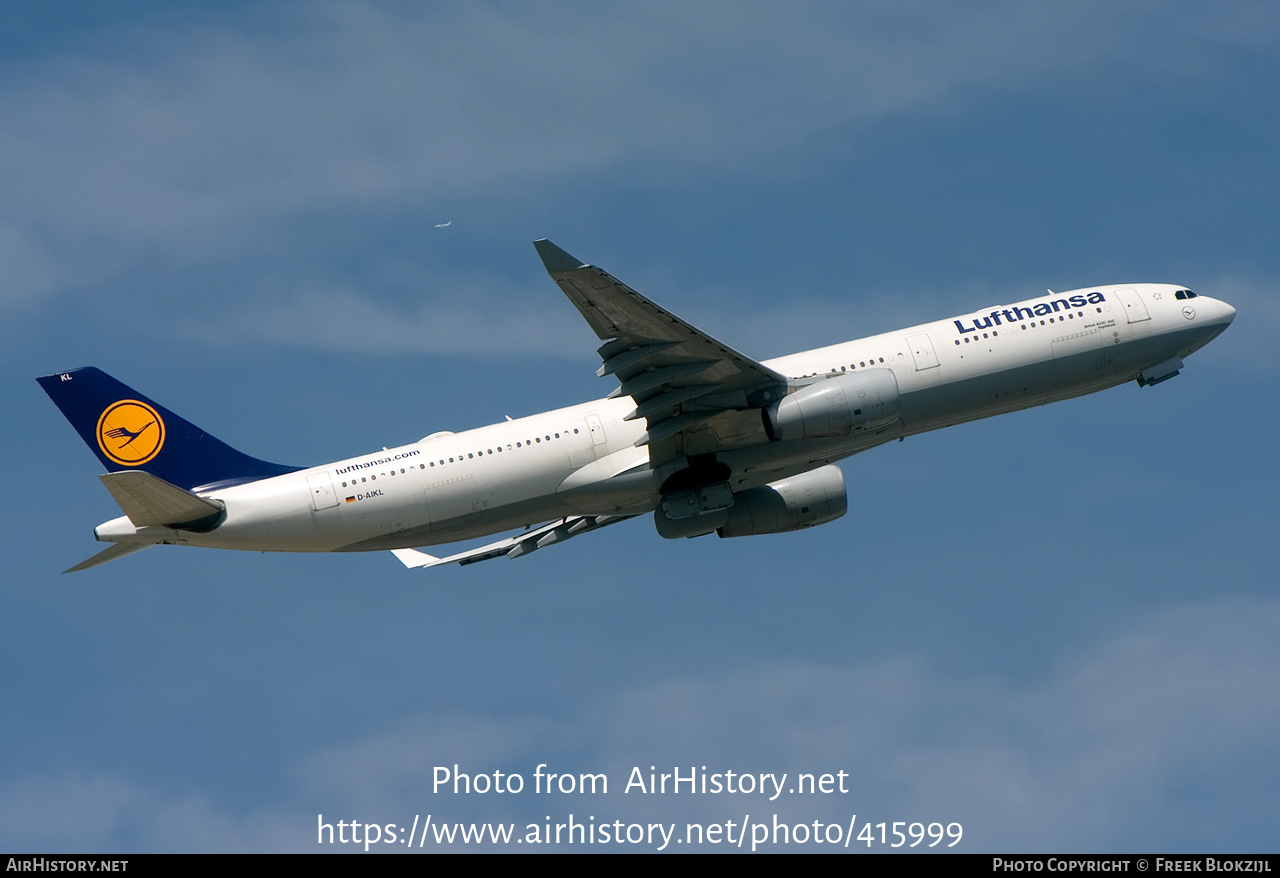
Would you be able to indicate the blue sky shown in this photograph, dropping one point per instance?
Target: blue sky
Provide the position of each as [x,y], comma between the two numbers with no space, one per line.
[1056,627]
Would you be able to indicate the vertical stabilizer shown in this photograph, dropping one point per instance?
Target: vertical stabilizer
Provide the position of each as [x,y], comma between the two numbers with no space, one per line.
[130,432]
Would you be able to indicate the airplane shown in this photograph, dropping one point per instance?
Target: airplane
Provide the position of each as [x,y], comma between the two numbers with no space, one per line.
[697,435]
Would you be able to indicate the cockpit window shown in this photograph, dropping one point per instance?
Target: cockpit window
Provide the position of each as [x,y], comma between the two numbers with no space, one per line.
[1184,294]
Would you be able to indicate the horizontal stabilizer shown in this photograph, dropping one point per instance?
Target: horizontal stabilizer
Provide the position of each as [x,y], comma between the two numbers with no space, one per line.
[149,500]
[112,552]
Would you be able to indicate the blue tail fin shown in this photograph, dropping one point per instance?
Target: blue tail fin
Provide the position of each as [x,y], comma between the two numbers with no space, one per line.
[128,431]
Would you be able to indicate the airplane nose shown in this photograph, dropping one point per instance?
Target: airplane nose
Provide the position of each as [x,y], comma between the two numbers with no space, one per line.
[1219,314]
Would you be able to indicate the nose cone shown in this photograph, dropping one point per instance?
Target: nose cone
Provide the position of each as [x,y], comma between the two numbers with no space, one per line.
[1215,316]
[1215,313]
[1228,314]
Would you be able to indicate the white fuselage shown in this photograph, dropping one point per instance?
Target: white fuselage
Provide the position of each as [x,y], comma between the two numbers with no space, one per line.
[450,487]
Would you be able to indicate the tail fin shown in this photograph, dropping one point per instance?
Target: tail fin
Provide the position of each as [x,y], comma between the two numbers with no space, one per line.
[129,432]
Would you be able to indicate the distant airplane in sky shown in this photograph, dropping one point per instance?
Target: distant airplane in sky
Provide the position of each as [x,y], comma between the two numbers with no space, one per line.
[699,436]
[444,225]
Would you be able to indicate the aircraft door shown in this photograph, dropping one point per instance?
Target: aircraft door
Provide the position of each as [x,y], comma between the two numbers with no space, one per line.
[596,428]
[322,494]
[1134,308]
[922,350]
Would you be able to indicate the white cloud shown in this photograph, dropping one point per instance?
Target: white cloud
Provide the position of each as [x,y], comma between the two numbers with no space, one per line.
[1077,758]
[399,765]
[190,139]
[459,322]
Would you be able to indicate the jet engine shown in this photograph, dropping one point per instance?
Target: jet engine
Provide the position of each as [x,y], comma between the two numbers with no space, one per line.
[694,512]
[815,497]
[835,406]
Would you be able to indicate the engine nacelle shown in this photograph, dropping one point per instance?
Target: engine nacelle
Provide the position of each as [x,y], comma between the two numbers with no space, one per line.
[835,407]
[815,497]
[694,526]
[694,512]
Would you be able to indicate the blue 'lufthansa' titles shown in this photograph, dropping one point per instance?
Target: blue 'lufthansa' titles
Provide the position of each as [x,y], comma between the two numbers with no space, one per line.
[1014,314]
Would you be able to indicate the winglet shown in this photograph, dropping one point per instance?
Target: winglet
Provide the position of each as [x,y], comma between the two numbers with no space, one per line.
[555,259]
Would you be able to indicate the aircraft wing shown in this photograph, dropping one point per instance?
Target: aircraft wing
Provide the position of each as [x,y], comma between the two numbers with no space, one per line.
[683,381]
[514,547]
